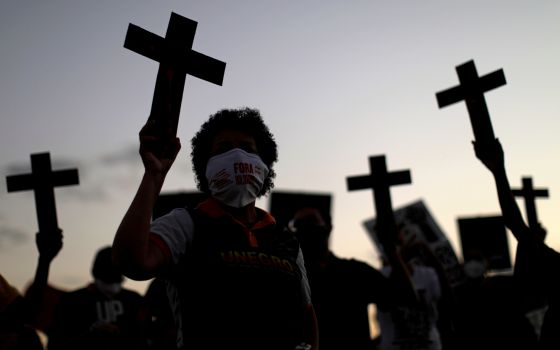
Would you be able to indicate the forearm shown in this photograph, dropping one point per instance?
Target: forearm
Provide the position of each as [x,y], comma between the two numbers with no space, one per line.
[510,211]
[42,272]
[132,250]
[400,275]
[36,292]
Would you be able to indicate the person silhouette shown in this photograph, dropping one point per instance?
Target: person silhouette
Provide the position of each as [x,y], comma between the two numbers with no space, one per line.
[342,289]
[237,279]
[414,326]
[101,315]
[488,313]
[162,332]
[21,316]
[15,331]
[41,297]
[545,262]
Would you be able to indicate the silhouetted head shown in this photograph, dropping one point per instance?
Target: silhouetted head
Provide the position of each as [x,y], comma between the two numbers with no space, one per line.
[103,268]
[313,232]
[246,122]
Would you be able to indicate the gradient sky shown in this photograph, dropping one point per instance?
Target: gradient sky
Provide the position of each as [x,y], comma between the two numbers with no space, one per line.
[336,81]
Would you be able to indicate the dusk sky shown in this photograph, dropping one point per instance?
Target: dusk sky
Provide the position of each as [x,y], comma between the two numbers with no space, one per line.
[336,81]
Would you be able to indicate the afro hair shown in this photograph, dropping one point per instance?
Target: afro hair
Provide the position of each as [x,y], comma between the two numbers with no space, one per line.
[246,120]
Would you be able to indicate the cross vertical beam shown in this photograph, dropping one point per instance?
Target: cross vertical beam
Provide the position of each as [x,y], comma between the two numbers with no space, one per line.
[42,181]
[177,59]
[380,180]
[471,89]
[530,194]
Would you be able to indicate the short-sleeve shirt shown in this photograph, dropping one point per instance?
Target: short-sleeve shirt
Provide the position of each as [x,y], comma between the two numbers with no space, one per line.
[174,233]
[79,311]
[342,290]
[224,272]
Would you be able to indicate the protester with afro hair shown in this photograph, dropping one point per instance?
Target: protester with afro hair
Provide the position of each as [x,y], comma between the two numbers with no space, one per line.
[235,279]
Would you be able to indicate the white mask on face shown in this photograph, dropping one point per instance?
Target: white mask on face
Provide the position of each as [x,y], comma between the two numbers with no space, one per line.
[235,177]
[474,268]
[109,289]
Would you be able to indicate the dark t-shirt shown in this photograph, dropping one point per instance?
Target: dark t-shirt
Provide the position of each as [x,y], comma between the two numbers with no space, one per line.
[78,313]
[550,335]
[341,293]
[237,296]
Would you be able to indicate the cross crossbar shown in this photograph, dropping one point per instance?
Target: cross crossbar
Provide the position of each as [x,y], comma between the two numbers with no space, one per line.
[471,90]
[42,180]
[177,59]
[379,180]
[530,194]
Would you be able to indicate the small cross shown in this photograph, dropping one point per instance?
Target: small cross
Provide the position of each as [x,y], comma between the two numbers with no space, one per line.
[379,180]
[42,181]
[471,90]
[177,59]
[530,194]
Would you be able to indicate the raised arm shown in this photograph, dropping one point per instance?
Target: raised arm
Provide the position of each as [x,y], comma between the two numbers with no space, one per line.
[492,156]
[400,272]
[133,252]
[48,245]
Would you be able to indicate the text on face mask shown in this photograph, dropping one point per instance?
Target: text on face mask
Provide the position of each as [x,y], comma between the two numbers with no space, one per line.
[244,173]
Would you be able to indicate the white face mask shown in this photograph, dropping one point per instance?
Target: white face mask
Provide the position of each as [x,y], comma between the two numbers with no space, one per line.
[236,177]
[109,289]
[474,268]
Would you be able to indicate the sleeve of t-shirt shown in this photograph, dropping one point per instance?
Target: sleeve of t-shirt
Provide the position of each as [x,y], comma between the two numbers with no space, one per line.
[434,285]
[176,230]
[305,288]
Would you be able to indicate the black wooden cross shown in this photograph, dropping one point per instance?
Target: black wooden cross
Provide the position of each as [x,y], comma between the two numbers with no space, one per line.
[42,181]
[530,194]
[471,90]
[177,59]
[379,180]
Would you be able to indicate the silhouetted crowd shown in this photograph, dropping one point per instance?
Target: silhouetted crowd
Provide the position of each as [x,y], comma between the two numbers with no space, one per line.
[224,274]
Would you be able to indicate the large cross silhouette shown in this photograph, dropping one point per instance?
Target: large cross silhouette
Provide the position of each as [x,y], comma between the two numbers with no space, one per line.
[42,181]
[530,194]
[177,59]
[379,180]
[471,89]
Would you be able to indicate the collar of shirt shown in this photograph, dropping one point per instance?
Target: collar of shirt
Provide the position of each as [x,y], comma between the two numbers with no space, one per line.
[213,209]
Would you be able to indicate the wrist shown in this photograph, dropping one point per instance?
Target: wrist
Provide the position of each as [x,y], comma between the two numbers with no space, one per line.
[154,179]
[499,172]
[45,258]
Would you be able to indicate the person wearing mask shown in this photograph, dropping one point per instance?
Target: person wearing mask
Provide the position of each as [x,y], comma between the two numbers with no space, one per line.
[101,315]
[234,278]
[344,288]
